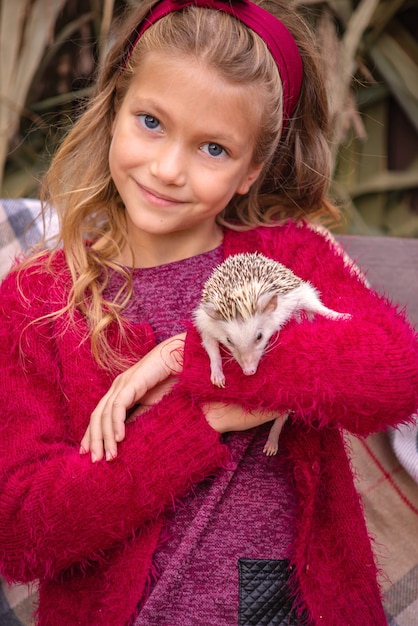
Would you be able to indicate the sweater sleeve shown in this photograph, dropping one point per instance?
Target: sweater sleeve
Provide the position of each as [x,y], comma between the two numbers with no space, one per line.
[57,508]
[360,374]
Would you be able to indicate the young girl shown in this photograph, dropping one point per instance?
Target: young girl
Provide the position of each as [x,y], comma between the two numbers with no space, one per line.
[206,137]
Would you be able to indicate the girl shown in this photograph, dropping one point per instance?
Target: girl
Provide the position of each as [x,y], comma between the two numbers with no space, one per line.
[206,137]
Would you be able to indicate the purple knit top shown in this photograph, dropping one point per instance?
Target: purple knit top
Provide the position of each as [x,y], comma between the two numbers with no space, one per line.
[224,519]
[165,296]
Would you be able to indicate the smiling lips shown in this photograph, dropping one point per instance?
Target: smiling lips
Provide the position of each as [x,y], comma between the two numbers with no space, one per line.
[158,199]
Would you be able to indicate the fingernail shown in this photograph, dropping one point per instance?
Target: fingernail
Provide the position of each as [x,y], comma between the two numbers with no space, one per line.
[110,456]
[93,458]
[82,450]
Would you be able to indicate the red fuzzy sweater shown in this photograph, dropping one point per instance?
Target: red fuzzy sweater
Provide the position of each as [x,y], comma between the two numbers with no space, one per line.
[88,532]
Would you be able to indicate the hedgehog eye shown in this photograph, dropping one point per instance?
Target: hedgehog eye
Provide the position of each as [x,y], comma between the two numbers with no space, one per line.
[259,337]
[229,341]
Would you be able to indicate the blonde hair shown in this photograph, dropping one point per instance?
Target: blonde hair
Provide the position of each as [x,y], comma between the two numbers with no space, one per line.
[293,183]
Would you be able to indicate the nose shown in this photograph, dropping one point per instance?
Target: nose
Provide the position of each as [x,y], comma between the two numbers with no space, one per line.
[169,164]
[249,365]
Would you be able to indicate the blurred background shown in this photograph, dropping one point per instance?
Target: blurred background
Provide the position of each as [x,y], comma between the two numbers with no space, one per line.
[49,51]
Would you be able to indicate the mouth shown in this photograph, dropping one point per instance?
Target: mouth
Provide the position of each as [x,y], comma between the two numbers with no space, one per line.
[158,199]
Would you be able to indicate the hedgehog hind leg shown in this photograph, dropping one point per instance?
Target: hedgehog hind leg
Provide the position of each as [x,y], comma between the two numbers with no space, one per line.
[333,315]
[311,303]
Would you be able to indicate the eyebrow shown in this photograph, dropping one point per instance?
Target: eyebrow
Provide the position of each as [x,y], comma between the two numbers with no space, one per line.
[149,103]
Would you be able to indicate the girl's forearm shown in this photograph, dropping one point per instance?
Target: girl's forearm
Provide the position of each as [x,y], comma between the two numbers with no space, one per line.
[53,490]
[360,374]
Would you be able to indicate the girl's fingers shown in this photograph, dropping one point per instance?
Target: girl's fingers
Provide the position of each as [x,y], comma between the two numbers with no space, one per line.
[99,438]
[85,442]
[107,424]
[148,379]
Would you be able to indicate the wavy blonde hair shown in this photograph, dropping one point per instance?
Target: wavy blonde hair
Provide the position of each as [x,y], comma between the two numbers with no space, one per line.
[294,179]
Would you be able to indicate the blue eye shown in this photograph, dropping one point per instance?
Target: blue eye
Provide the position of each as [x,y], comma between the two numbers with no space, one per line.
[214,149]
[149,121]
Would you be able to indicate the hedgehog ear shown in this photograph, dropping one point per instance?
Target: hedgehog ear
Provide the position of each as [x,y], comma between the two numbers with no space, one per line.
[210,310]
[267,302]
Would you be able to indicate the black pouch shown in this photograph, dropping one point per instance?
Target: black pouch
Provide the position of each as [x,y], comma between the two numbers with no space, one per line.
[264,598]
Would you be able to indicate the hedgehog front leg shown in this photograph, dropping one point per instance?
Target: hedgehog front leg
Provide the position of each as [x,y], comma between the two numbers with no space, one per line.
[211,346]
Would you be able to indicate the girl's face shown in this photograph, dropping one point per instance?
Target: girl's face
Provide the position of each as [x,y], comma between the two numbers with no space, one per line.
[182,146]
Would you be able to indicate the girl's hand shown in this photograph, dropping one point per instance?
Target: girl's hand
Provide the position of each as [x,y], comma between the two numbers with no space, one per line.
[146,382]
[226,418]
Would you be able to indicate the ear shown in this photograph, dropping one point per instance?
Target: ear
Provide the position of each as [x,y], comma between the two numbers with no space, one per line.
[249,179]
[210,310]
[267,302]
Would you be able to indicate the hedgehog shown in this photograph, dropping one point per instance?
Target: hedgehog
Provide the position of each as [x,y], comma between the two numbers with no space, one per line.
[247,299]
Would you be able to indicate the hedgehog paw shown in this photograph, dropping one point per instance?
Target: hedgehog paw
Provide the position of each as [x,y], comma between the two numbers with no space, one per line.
[218,380]
[270,449]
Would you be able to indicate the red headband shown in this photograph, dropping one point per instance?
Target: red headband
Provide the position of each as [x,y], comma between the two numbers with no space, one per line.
[272,31]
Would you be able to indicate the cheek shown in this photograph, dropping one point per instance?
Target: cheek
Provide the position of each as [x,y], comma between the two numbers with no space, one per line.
[113,154]
[219,189]
[119,156]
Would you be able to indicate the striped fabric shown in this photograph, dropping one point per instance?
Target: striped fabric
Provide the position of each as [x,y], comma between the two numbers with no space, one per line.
[21,228]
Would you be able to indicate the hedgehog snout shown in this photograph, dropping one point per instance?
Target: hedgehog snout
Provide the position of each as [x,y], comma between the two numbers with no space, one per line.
[249,364]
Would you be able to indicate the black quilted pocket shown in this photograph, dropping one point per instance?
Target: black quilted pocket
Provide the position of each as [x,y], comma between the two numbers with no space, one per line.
[264,598]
